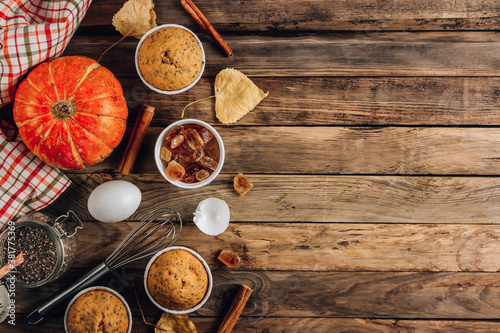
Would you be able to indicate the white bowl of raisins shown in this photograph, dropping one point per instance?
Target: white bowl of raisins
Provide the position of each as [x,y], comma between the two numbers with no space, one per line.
[189,153]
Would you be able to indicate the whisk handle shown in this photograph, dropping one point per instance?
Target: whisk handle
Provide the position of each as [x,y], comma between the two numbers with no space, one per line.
[56,300]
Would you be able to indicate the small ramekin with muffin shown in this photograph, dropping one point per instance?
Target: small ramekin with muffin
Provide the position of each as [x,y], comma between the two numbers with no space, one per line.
[170,59]
[98,309]
[178,280]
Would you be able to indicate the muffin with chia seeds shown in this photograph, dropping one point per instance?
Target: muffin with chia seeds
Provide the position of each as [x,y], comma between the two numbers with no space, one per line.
[178,280]
[170,58]
[98,311]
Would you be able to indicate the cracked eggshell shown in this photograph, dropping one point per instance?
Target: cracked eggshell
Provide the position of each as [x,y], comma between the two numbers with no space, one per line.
[212,216]
[114,201]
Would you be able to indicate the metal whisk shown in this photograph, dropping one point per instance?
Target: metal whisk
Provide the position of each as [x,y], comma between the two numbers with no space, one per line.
[135,247]
[156,231]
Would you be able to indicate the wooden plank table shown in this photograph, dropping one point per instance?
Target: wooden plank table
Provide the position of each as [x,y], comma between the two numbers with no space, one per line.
[375,163]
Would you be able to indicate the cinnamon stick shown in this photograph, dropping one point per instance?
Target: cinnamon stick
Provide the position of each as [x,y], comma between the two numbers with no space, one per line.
[202,21]
[18,260]
[193,14]
[235,310]
[127,148]
[136,137]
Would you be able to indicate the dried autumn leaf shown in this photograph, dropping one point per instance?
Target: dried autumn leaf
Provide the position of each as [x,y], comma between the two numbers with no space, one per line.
[235,95]
[135,18]
[175,323]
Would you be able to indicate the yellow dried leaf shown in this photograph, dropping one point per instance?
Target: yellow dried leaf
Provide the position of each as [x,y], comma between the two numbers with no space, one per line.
[135,18]
[174,323]
[235,95]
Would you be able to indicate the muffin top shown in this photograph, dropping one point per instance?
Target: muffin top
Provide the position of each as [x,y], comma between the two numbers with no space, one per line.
[170,58]
[177,280]
[98,311]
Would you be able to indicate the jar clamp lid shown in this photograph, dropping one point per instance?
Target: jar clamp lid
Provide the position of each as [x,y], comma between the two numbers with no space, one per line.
[58,224]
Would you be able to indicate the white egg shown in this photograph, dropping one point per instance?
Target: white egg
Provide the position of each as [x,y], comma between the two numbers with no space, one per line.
[114,201]
[212,216]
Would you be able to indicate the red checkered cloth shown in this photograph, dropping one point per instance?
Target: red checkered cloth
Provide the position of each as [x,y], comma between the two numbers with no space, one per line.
[26,183]
[31,32]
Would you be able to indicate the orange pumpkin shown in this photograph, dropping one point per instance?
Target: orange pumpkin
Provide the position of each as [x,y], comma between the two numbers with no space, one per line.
[70,112]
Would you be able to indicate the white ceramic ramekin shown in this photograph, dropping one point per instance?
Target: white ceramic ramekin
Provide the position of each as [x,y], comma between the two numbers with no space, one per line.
[168,92]
[210,280]
[179,183]
[98,288]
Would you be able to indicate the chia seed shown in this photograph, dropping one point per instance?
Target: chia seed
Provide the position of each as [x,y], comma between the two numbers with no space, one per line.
[40,254]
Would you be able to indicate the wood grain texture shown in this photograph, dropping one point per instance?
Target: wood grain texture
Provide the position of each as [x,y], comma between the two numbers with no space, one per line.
[374,159]
[361,325]
[342,150]
[383,295]
[366,199]
[347,54]
[299,325]
[291,16]
[352,101]
[322,247]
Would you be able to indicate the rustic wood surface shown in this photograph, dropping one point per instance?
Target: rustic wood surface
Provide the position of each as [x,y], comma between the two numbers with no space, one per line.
[375,162]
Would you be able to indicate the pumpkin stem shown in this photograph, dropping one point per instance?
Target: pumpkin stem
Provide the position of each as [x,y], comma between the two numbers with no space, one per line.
[63,110]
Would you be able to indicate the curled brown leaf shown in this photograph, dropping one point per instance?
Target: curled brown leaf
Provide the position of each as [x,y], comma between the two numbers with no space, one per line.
[175,323]
[135,18]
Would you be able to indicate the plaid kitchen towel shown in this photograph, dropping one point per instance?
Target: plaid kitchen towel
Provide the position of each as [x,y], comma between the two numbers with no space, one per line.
[31,32]
[26,183]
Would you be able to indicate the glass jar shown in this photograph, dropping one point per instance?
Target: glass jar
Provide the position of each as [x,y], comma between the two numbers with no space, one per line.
[61,234]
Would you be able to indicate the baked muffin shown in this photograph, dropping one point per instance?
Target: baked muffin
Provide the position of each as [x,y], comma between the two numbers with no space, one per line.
[177,280]
[98,311]
[170,58]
